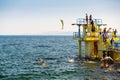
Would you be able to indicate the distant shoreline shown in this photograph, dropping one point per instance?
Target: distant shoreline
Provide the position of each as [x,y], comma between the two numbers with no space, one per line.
[41,35]
[33,35]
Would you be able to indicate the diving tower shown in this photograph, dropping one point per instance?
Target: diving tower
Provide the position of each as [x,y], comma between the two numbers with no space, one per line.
[96,41]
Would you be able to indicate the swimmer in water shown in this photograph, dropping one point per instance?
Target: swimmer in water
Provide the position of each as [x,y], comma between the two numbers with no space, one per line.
[42,62]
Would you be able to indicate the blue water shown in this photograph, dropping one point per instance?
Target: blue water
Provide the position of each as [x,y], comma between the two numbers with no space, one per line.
[19,60]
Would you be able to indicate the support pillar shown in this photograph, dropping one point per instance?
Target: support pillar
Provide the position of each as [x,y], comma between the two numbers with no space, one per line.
[79,35]
[88,49]
[79,48]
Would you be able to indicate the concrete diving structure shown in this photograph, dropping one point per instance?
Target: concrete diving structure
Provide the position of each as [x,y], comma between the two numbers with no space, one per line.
[95,39]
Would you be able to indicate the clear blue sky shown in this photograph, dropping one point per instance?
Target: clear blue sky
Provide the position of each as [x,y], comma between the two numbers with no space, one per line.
[43,16]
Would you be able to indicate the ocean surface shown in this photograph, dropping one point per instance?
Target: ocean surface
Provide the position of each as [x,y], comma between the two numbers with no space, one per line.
[19,60]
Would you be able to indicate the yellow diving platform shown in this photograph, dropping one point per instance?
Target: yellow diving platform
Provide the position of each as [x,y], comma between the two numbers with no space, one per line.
[96,39]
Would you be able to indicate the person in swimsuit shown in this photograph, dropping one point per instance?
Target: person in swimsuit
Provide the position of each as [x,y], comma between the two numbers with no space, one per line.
[106,61]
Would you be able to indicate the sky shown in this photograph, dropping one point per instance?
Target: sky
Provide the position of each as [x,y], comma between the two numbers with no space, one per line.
[42,17]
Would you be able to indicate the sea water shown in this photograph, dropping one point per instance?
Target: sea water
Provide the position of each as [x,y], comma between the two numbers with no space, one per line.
[19,60]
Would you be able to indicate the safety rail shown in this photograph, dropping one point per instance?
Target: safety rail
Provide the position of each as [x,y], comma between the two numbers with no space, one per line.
[75,35]
[89,36]
[93,36]
[83,21]
[117,45]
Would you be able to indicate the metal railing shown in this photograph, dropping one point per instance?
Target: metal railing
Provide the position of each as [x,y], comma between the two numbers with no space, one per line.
[83,21]
[117,45]
[75,34]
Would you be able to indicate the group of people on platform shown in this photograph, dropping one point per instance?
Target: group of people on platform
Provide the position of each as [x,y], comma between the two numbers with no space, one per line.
[103,33]
[106,60]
